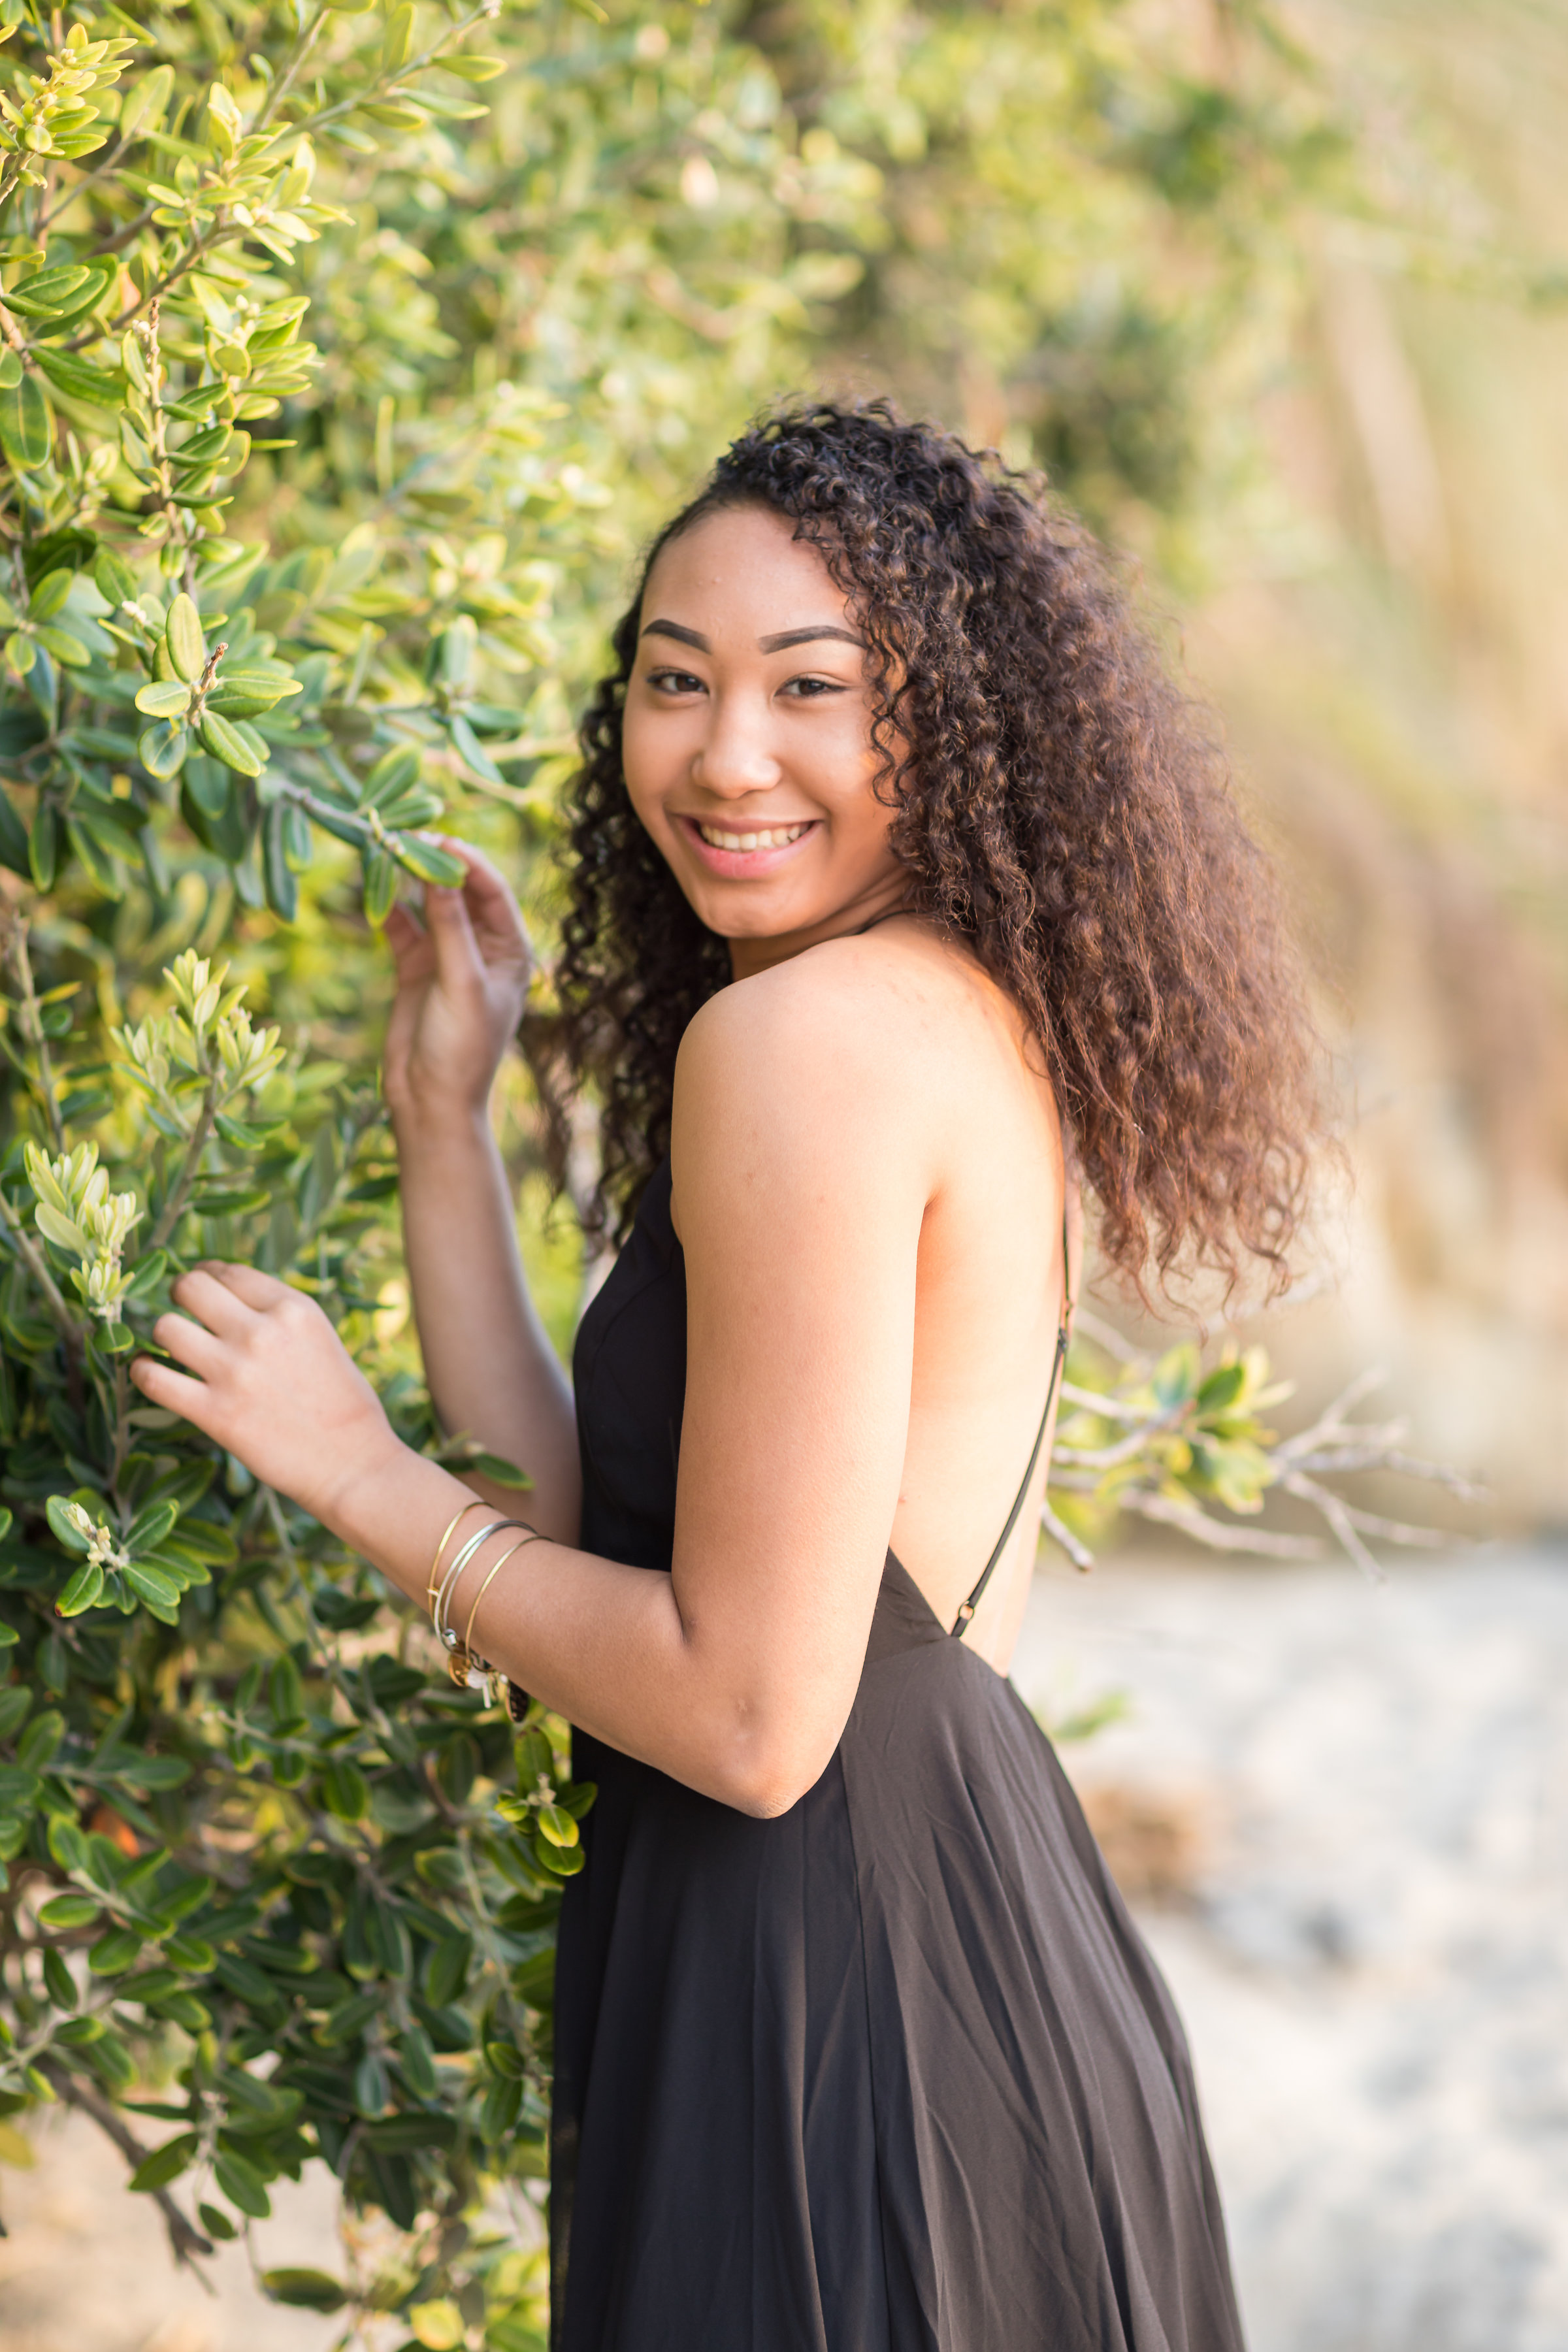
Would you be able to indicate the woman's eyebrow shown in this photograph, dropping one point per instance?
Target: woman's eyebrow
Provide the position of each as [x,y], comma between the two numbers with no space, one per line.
[786,637]
[683,636]
[774,645]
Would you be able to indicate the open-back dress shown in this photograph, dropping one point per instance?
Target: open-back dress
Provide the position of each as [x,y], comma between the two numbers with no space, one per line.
[890,2072]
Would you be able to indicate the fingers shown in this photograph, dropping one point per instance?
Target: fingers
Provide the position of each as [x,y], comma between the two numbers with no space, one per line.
[491,908]
[161,1385]
[458,963]
[189,1343]
[212,1301]
[409,941]
[257,1291]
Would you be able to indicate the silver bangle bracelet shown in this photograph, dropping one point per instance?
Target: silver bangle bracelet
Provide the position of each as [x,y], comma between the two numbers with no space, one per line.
[444,1634]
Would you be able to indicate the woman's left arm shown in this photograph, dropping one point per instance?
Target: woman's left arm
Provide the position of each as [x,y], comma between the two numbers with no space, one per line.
[802,1166]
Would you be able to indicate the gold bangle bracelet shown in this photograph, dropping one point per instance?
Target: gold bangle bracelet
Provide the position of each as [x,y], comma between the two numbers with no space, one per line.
[463,1660]
[451,1529]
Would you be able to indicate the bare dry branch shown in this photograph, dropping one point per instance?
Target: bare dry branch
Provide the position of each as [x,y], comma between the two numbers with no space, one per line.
[1078,1553]
[1218,1535]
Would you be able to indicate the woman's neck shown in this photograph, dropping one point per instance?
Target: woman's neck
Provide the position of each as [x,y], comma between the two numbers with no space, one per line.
[875,905]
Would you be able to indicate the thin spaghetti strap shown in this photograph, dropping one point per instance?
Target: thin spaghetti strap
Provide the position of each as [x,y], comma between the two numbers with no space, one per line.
[961,1622]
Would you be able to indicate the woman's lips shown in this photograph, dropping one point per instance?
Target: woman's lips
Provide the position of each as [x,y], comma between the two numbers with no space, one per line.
[723,847]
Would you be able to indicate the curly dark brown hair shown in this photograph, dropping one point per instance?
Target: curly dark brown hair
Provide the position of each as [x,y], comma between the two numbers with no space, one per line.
[1059,804]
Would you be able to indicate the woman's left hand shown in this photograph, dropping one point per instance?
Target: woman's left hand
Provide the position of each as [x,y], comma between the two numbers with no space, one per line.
[273,1384]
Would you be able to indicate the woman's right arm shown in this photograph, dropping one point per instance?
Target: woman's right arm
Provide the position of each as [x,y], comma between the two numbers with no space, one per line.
[462,979]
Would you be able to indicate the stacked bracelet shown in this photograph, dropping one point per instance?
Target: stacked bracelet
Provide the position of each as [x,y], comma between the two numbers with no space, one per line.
[439,1614]
[446,1534]
[465,1662]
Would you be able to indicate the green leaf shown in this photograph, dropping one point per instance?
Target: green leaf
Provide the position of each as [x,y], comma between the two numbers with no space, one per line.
[165,698]
[380,885]
[112,1954]
[165,2163]
[50,594]
[113,578]
[430,863]
[305,2290]
[224,742]
[46,292]
[79,380]
[152,1585]
[1177,1375]
[187,645]
[67,1911]
[558,1825]
[13,837]
[64,1517]
[26,428]
[162,749]
[467,744]
[39,1744]
[149,1527]
[345,1790]
[15,1705]
[281,882]
[83,1590]
[43,842]
[242,2185]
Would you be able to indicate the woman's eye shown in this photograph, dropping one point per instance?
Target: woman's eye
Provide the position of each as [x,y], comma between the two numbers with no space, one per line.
[805,689]
[674,681]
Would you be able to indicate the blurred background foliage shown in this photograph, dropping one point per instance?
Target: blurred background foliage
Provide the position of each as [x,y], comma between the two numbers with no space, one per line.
[1273,294]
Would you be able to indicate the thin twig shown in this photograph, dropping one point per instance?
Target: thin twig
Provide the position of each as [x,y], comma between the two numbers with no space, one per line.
[1109,1457]
[1078,1553]
[187,1175]
[1104,1334]
[185,2238]
[1215,1533]
[33,1259]
[22,964]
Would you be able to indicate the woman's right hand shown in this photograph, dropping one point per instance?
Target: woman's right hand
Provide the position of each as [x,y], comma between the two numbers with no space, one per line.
[463,976]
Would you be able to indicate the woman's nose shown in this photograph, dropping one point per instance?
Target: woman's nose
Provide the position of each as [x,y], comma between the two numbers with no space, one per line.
[736,756]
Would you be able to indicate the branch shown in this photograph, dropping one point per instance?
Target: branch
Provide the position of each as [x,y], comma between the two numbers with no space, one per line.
[1109,1408]
[1109,1457]
[1216,1534]
[185,2241]
[187,1175]
[22,964]
[32,1258]
[1104,1334]
[284,83]
[1080,1554]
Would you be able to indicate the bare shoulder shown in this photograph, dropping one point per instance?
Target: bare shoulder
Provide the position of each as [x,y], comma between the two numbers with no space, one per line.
[834,1072]
[862,1028]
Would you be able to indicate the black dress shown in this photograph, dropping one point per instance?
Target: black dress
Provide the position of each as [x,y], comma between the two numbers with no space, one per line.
[893,2073]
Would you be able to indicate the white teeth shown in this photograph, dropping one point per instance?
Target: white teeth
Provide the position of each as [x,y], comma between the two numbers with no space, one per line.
[778,838]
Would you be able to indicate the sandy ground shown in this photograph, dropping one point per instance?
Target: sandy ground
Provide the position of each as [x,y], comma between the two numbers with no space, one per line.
[1347,1811]
[1370,1786]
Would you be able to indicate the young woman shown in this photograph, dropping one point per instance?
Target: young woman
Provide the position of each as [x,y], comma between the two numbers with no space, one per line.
[905,891]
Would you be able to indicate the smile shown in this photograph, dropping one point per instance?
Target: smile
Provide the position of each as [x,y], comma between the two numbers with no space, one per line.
[778,836]
[739,853]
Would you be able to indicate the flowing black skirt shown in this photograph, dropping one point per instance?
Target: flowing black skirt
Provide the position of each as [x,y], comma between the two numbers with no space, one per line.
[894,2073]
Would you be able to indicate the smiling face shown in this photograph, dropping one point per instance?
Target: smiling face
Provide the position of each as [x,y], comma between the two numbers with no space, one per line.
[746,740]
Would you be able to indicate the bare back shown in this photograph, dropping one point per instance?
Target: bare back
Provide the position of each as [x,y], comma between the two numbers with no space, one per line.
[959,1104]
